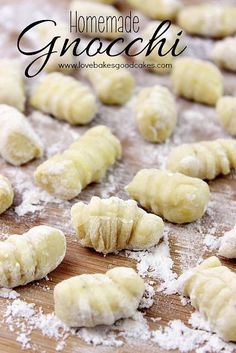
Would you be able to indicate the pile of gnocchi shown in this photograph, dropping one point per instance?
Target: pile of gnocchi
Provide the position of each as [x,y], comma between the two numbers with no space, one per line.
[178,194]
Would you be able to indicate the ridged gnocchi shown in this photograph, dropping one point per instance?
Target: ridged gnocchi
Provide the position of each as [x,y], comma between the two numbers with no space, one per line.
[208,20]
[224,53]
[85,161]
[113,85]
[228,244]
[46,33]
[197,80]
[226,113]
[109,225]
[6,194]
[156,113]
[12,91]
[19,143]
[159,64]
[65,98]
[31,256]
[205,159]
[98,299]
[211,288]
[97,9]
[176,197]
[157,9]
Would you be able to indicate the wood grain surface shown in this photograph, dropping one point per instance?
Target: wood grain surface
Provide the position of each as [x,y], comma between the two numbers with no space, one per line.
[195,122]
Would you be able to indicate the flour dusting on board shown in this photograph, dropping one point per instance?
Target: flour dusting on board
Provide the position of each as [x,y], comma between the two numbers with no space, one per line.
[157,263]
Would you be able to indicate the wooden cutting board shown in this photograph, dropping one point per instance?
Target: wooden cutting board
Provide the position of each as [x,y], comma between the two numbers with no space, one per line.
[195,122]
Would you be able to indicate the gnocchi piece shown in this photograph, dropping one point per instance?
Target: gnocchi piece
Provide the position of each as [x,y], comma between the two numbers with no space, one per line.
[12,91]
[6,194]
[156,113]
[205,159]
[85,161]
[19,143]
[228,244]
[97,9]
[157,9]
[197,80]
[31,256]
[208,20]
[113,85]
[226,111]
[176,197]
[65,98]
[46,33]
[211,288]
[98,299]
[159,64]
[224,53]
[109,225]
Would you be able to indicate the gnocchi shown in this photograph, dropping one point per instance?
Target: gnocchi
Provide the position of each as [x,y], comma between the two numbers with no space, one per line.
[197,80]
[228,244]
[205,159]
[31,256]
[159,64]
[156,113]
[97,9]
[211,288]
[46,33]
[224,53]
[85,161]
[109,225]
[65,98]
[113,85]
[226,112]
[98,299]
[6,194]
[157,9]
[12,91]
[208,20]
[177,198]
[19,143]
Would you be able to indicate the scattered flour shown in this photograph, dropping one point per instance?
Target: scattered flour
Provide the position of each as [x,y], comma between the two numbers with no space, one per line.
[8,293]
[212,242]
[157,263]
